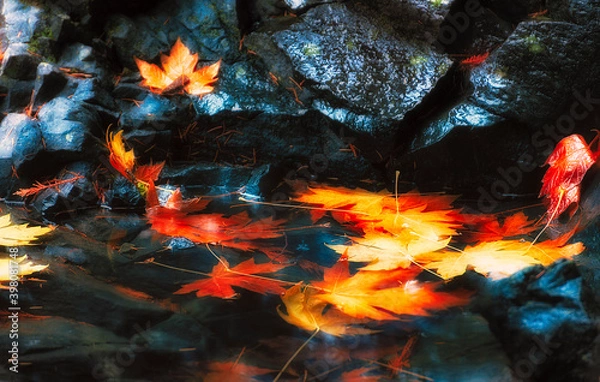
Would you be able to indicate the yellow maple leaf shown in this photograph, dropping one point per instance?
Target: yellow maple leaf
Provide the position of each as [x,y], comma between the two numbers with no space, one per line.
[500,259]
[19,234]
[306,312]
[25,268]
[120,158]
[384,251]
[178,69]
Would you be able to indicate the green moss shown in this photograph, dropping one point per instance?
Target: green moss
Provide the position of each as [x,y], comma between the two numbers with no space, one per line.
[437,3]
[533,44]
[40,43]
[310,49]
[350,44]
[417,60]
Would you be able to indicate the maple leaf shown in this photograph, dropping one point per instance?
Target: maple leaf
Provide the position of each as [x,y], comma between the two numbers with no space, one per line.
[307,313]
[568,163]
[149,173]
[19,234]
[179,70]
[501,258]
[376,294]
[223,278]
[233,371]
[384,251]
[120,158]
[25,268]
[489,228]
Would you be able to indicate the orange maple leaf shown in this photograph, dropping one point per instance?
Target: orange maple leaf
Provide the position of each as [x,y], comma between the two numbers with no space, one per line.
[379,295]
[149,172]
[120,158]
[308,313]
[223,278]
[568,163]
[179,71]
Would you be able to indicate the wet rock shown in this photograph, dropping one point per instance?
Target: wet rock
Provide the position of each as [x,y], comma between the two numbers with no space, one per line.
[371,73]
[65,200]
[66,125]
[86,59]
[577,11]
[18,94]
[541,318]
[20,141]
[242,88]
[20,20]
[211,178]
[208,28]
[514,10]
[18,63]
[532,93]
[49,82]
[296,5]
[124,194]
[151,111]
[310,143]
[20,138]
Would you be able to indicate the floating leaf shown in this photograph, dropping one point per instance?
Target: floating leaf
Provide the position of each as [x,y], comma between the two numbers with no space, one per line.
[25,268]
[222,279]
[19,234]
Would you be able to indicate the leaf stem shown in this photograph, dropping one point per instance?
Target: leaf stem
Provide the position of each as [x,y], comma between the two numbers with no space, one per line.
[289,361]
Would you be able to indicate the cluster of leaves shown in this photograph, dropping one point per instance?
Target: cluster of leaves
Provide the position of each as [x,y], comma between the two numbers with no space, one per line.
[13,235]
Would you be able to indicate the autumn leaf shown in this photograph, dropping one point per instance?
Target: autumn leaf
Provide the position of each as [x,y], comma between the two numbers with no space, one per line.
[384,251]
[489,228]
[233,371]
[24,268]
[178,70]
[120,158]
[500,259]
[568,163]
[380,295]
[308,313]
[19,234]
[223,278]
[148,173]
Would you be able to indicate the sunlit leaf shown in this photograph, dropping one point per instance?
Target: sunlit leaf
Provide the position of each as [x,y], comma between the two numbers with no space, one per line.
[19,234]
[178,69]
[24,268]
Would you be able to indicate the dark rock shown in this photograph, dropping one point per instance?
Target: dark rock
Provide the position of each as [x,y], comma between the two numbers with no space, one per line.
[66,125]
[298,5]
[211,178]
[242,88]
[67,199]
[514,10]
[72,255]
[49,83]
[18,63]
[369,81]
[310,144]
[540,317]
[154,112]
[18,96]
[576,11]
[532,93]
[208,28]
[86,59]
[124,194]
[20,139]
[91,91]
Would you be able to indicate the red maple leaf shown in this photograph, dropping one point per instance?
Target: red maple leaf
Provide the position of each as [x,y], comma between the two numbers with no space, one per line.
[569,162]
[223,278]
